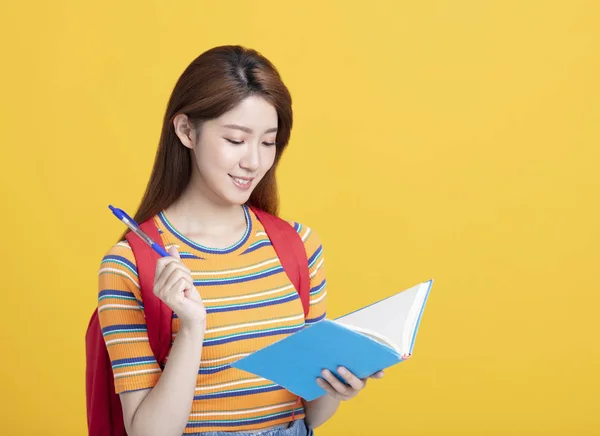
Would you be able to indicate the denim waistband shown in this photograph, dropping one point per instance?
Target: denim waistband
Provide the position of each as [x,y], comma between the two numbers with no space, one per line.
[297,428]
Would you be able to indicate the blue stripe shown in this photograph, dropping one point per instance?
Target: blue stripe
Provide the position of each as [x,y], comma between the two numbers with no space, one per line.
[314,320]
[251,335]
[199,247]
[214,369]
[258,245]
[234,280]
[133,361]
[318,288]
[120,259]
[297,227]
[238,392]
[253,305]
[185,255]
[113,293]
[314,257]
[124,327]
[272,417]
[120,295]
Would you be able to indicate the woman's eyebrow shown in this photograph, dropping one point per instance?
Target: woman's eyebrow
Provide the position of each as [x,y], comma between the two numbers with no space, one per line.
[248,129]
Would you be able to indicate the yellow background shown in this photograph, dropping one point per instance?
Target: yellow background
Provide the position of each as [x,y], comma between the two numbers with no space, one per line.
[454,140]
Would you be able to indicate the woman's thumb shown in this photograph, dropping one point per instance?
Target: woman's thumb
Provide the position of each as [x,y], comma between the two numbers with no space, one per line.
[173,252]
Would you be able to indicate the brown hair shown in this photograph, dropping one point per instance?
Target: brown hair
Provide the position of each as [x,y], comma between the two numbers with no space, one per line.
[214,83]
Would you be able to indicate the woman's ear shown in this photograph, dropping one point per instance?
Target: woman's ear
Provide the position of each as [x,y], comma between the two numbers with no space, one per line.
[184,130]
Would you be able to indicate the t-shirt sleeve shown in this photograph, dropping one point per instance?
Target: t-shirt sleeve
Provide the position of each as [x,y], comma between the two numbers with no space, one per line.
[121,316]
[316,266]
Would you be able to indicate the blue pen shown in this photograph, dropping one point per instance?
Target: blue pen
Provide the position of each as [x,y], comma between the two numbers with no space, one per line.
[129,222]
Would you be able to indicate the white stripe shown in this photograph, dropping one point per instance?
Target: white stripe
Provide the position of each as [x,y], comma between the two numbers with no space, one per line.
[120,306]
[224,385]
[231,271]
[119,272]
[314,273]
[117,341]
[318,299]
[223,359]
[243,412]
[246,296]
[141,371]
[261,233]
[252,324]
[306,234]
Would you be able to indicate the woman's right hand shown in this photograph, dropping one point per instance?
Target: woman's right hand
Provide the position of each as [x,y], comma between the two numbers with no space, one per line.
[173,284]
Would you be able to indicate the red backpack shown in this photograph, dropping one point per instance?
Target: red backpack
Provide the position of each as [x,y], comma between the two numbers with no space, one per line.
[104,413]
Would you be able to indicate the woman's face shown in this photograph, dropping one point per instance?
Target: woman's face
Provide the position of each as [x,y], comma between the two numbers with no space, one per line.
[233,153]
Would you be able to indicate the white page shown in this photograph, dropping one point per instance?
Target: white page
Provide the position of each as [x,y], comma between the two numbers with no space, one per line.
[388,317]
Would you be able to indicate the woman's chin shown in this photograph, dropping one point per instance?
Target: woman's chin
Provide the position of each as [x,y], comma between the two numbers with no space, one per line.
[237,199]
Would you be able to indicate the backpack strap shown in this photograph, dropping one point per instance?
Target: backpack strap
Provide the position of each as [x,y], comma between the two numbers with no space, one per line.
[158,315]
[291,252]
[104,412]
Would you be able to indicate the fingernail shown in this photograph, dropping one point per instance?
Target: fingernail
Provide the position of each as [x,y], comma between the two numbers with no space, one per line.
[342,370]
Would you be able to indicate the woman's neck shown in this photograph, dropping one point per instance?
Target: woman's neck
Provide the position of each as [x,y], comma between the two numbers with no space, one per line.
[199,218]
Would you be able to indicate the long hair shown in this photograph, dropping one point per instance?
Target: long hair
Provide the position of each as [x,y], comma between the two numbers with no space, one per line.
[214,83]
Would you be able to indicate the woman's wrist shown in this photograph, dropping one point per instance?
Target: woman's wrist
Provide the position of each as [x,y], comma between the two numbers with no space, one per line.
[192,329]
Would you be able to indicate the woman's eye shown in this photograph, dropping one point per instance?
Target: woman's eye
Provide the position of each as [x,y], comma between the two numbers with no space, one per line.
[234,142]
[269,143]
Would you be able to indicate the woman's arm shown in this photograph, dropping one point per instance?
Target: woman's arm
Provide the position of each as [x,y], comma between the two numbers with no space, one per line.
[320,410]
[164,410]
[159,405]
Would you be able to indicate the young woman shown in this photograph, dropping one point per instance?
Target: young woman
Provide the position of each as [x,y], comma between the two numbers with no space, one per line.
[226,126]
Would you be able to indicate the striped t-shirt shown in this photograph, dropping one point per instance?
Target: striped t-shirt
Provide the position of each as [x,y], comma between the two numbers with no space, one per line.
[250,303]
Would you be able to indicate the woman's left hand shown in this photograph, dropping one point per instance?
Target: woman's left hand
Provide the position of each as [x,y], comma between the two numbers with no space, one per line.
[340,391]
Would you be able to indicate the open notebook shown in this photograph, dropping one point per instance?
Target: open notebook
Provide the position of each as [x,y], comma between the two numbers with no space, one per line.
[364,341]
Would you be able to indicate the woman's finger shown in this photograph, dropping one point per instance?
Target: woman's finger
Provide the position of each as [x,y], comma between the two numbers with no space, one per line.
[328,388]
[176,263]
[167,278]
[173,252]
[175,295]
[161,264]
[336,384]
[377,375]
[356,383]
[177,274]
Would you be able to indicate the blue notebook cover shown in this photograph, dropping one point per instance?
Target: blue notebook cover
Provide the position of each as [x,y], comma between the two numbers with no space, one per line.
[296,361]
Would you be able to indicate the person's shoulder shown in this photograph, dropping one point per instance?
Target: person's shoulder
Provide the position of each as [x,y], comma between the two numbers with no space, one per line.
[120,256]
[118,272]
